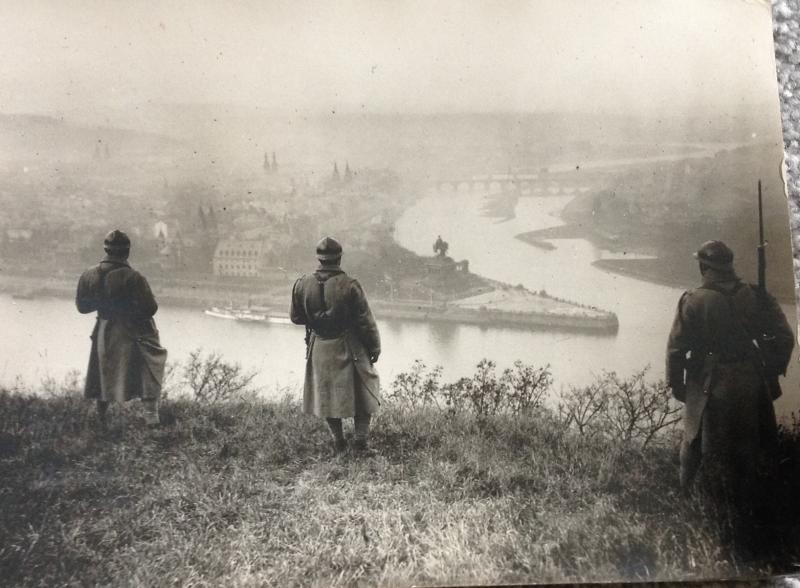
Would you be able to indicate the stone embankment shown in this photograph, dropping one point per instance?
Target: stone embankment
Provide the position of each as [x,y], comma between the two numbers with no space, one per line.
[505,306]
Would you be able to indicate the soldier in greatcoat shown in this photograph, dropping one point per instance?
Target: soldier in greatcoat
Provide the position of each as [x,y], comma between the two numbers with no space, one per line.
[717,366]
[343,345]
[126,360]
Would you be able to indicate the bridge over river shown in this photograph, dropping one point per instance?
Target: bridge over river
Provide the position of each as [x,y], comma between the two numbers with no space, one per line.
[543,183]
[565,179]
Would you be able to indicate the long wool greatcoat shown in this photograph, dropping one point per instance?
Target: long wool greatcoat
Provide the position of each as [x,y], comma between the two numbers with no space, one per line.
[726,401]
[340,379]
[127,360]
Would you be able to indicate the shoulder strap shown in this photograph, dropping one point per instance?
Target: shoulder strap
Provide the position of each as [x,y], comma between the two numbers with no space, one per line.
[321,285]
[103,283]
[102,275]
[320,316]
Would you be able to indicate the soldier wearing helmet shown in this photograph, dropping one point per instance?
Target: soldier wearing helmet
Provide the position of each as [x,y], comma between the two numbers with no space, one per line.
[126,359]
[343,345]
[717,368]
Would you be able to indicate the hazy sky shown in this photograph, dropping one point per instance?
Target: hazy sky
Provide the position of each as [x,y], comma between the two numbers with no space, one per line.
[641,55]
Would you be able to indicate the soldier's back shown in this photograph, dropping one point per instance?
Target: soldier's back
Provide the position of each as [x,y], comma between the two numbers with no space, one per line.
[725,316]
[116,290]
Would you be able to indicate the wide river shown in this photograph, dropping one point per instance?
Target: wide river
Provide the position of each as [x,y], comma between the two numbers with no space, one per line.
[46,337]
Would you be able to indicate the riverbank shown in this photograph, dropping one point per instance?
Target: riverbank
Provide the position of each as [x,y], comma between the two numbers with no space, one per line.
[669,270]
[652,270]
[655,271]
[184,293]
[682,274]
[246,493]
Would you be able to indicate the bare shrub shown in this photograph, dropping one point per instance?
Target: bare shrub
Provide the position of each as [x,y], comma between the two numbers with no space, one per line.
[637,409]
[526,387]
[486,392]
[171,382]
[417,387]
[629,410]
[453,396]
[211,379]
[626,409]
[483,393]
[583,408]
[518,390]
[70,385]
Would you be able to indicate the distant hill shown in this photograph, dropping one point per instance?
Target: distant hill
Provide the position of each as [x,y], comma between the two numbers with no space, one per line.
[30,137]
[669,210]
[435,144]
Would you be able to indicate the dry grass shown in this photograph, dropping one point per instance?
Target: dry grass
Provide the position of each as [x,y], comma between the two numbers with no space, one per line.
[245,493]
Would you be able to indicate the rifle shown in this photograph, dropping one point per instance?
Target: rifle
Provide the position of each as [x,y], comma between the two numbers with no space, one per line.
[762,245]
[766,341]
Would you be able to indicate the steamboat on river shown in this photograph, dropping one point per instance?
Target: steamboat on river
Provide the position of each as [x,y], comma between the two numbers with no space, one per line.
[249,315]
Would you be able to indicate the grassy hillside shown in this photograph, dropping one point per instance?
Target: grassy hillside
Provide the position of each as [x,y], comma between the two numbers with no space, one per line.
[245,493]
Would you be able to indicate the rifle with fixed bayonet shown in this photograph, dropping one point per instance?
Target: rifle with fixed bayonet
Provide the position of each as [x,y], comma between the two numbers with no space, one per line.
[766,341]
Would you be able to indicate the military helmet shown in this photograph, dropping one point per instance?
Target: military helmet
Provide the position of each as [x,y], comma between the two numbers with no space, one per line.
[716,255]
[329,249]
[116,240]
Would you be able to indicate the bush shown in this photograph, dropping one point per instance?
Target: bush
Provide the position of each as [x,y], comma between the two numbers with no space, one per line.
[582,408]
[518,390]
[624,409]
[630,410]
[416,388]
[526,387]
[172,381]
[639,410]
[483,393]
[71,385]
[211,379]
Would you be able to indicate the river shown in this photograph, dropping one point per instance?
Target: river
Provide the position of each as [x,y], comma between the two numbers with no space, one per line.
[46,337]
[645,310]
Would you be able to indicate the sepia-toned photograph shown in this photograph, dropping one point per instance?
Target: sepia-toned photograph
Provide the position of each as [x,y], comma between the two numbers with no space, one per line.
[394,294]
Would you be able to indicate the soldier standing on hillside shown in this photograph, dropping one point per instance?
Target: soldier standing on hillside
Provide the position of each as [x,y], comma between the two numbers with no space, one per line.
[127,360]
[342,344]
[718,365]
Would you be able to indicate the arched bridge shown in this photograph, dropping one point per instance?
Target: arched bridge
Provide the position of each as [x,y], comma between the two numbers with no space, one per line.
[525,184]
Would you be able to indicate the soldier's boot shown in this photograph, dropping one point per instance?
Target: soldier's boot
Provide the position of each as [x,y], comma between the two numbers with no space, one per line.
[339,442]
[360,444]
[339,447]
[151,417]
[102,414]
